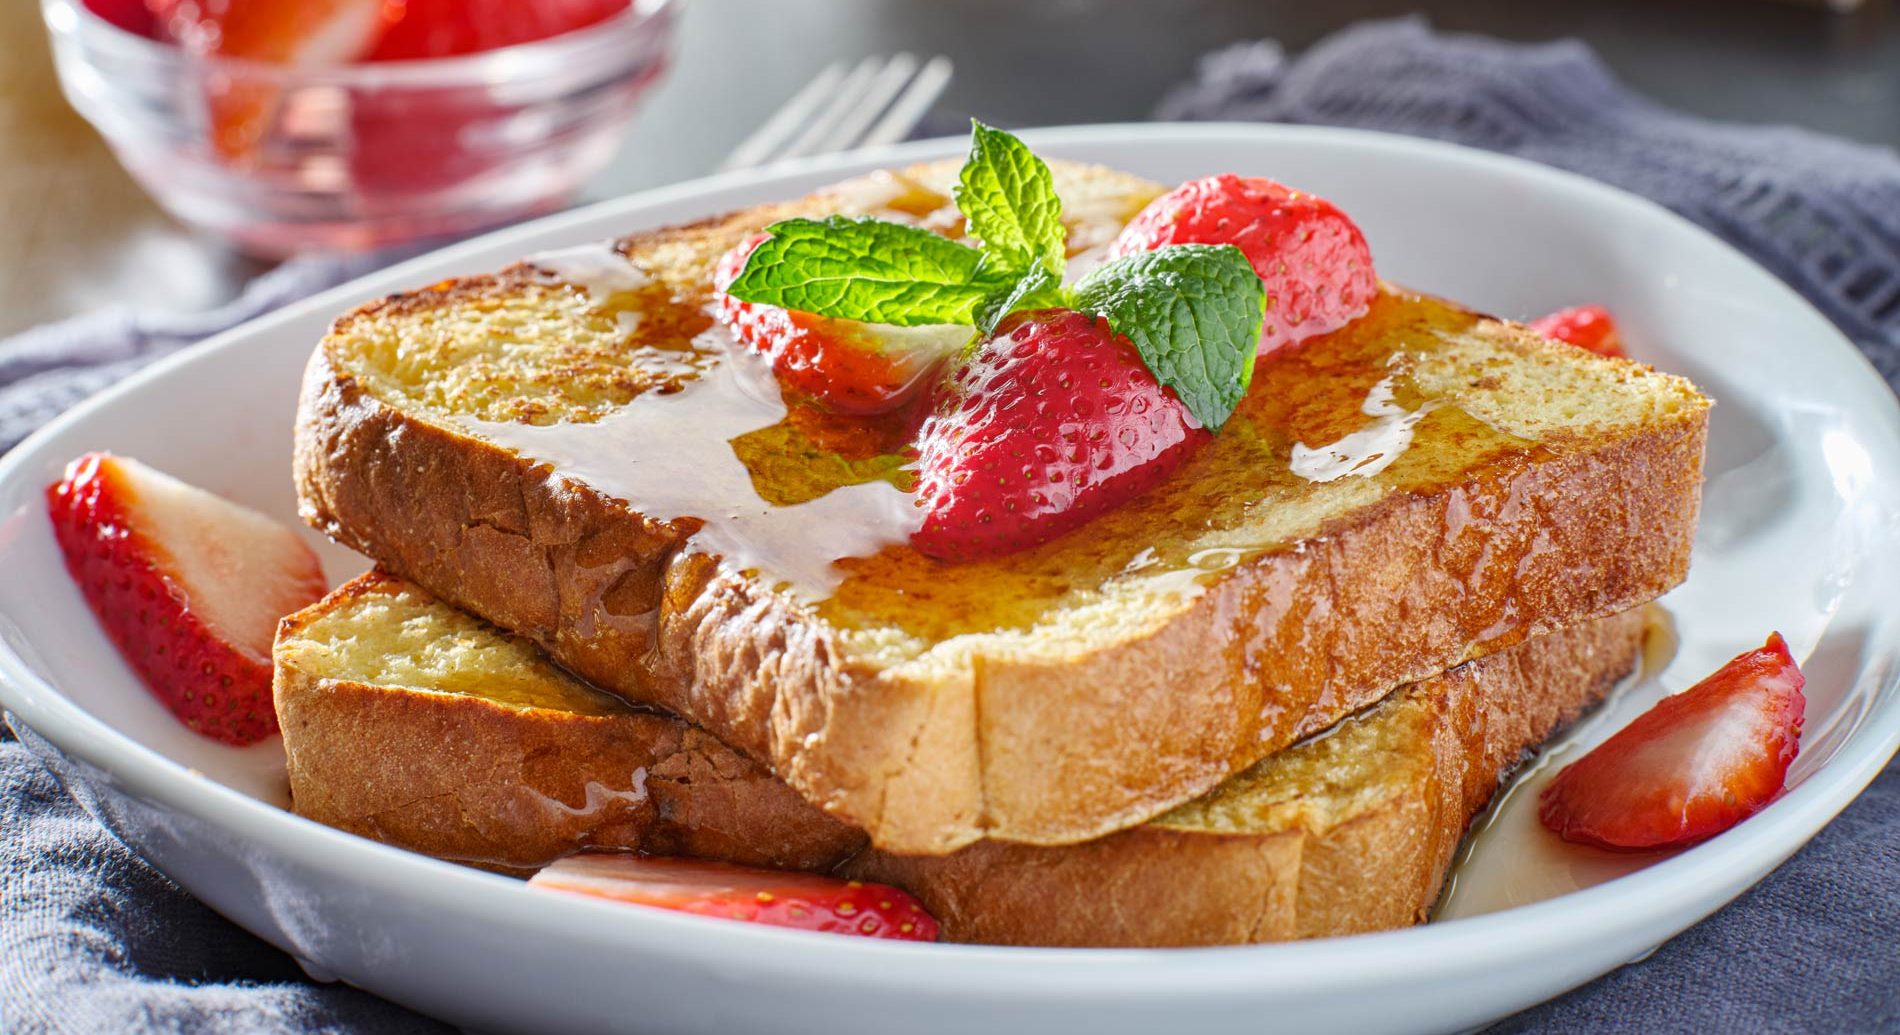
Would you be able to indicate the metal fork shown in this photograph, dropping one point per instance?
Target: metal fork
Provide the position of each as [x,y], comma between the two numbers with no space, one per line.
[877,101]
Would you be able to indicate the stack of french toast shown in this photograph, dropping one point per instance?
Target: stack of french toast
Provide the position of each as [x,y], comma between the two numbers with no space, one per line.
[636,592]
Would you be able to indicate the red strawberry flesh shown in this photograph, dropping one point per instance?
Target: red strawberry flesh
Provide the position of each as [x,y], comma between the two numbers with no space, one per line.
[243,107]
[445,28]
[131,15]
[1589,327]
[1694,765]
[1312,259]
[188,586]
[783,899]
[1052,420]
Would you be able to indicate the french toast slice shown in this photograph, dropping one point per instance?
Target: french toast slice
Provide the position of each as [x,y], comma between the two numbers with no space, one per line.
[470,436]
[411,723]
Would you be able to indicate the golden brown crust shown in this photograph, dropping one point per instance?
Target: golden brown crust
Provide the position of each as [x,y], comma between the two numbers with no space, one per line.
[488,532]
[1336,870]
[1055,750]
[465,778]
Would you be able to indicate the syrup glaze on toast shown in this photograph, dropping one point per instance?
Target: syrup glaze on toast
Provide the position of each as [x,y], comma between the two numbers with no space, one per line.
[821,501]
[1075,689]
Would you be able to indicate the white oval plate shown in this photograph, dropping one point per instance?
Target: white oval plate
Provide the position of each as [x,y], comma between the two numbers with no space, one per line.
[1799,533]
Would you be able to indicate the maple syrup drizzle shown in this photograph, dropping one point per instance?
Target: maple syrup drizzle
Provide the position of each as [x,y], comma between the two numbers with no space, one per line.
[598,268]
[671,453]
[1369,450]
[823,508]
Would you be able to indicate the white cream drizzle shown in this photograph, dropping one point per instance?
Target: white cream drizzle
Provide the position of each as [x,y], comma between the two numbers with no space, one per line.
[597,268]
[1369,450]
[670,457]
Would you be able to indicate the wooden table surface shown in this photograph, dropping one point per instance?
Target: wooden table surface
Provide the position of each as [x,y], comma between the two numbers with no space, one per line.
[84,236]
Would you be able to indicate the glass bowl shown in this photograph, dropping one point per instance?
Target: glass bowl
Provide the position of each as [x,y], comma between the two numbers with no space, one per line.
[280,159]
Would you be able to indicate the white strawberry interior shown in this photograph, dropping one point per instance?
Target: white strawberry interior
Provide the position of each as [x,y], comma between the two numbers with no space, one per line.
[241,571]
[346,35]
[919,344]
[656,879]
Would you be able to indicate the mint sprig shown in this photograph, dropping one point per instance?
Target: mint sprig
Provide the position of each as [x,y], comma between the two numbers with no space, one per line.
[865,269]
[1038,289]
[1008,199]
[1193,312]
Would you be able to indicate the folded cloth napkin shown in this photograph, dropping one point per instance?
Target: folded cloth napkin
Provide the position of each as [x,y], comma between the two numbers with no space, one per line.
[92,939]
[47,369]
[1821,213]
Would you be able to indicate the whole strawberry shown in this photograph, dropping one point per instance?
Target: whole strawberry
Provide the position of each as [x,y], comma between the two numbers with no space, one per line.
[1312,259]
[188,586]
[1588,327]
[1053,420]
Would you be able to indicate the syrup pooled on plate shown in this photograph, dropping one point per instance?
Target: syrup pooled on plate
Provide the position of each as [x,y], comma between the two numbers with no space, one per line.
[1509,858]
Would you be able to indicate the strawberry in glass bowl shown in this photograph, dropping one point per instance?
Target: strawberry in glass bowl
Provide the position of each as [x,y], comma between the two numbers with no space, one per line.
[286,125]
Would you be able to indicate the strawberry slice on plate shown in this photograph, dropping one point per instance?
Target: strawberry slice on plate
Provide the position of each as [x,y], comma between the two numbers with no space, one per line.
[783,899]
[187,585]
[1053,420]
[1312,259]
[1694,765]
[850,366]
[1588,327]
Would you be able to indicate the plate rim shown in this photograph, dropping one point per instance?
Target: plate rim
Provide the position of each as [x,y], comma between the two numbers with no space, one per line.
[1339,962]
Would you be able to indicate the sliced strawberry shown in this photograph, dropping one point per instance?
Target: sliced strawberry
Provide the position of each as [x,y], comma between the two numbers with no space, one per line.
[1696,764]
[1052,421]
[1589,327]
[188,585]
[443,28]
[852,367]
[1313,260]
[131,15]
[279,32]
[802,900]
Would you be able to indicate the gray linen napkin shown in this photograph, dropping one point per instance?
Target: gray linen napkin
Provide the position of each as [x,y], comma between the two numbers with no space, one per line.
[47,369]
[92,939]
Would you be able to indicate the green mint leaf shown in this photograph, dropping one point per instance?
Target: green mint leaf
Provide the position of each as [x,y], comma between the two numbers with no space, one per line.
[865,269]
[1008,198]
[1037,289]
[1193,311]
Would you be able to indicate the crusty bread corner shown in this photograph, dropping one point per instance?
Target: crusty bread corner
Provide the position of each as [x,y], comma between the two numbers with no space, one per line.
[415,725]
[1068,741]
[1341,834]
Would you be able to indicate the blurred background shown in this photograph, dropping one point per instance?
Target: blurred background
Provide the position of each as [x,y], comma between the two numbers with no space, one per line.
[85,235]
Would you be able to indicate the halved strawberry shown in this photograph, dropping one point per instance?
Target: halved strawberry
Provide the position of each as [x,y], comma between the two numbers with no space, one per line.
[1053,420]
[187,585]
[783,899]
[1312,259]
[852,367]
[1589,327]
[1694,765]
[280,32]
[443,28]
